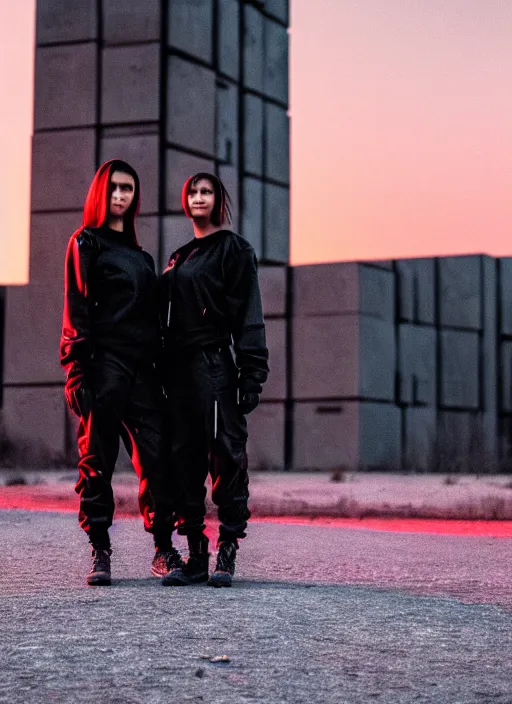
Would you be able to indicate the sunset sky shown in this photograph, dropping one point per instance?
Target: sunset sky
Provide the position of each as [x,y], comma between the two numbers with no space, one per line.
[401,139]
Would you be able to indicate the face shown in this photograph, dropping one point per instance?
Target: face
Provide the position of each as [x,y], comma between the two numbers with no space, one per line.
[122,192]
[201,199]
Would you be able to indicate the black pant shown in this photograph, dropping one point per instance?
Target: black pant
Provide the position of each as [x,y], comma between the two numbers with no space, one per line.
[209,434]
[122,400]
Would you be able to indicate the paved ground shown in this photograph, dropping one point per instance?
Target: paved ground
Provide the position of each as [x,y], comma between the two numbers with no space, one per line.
[359,495]
[318,614]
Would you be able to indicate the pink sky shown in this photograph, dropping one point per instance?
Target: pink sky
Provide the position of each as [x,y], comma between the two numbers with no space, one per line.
[401,139]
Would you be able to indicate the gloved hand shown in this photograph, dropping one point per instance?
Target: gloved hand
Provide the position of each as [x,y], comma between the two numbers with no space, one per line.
[248,395]
[76,392]
[248,402]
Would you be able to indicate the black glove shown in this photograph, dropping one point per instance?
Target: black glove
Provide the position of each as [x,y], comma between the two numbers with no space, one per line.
[77,393]
[248,403]
[248,395]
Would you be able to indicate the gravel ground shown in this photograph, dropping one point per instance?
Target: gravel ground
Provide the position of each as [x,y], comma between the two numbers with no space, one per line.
[318,614]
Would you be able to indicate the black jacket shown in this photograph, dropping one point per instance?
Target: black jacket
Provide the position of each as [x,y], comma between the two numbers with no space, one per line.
[110,300]
[210,296]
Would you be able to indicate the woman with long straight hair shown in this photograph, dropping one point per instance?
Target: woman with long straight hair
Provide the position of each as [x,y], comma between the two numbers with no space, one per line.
[215,360]
[110,339]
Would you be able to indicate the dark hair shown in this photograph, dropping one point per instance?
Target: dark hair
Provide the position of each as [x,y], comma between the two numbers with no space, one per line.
[222,207]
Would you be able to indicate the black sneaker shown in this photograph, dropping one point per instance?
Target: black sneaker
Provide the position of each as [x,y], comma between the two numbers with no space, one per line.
[100,570]
[195,570]
[165,561]
[225,567]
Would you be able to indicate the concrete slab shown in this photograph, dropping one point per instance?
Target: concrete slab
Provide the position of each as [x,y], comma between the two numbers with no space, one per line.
[252,215]
[505,293]
[253,43]
[460,442]
[130,84]
[177,231]
[34,420]
[229,177]
[277,144]
[266,427]
[346,435]
[343,356]
[420,431]
[66,79]
[179,167]
[344,288]
[506,376]
[278,9]
[49,233]
[416,288]
[275,387]
[226,125]
[460,371]
[142,152]
[191,27]
[272,281]
[191,106]
[417,351]
[33,317]
[489,350]
[460,292]
[148,236]
[276,209]
[66,21]
[253,135]
[63,164]
[131,21]
[275,82]
[229,38]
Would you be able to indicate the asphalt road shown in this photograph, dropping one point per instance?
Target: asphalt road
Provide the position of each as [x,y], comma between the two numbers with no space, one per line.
[318,614]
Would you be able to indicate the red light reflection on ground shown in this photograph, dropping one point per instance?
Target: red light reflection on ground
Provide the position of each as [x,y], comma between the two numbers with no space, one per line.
[14,498]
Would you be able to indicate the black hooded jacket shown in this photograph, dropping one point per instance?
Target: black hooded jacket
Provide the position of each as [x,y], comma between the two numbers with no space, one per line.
[111,290]
[210,296]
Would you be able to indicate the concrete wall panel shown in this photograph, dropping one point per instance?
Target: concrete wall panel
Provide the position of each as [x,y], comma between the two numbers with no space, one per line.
[275,83]
[66,77]
[148,237]
[33,322]
[179,167]
[50,232]
[276,209]
[277,144]
[229,38]
[191,106]
[34,419]
[506,376]
[229,177]
[131,84]
[380,436]
[344,288]
[252,215]
[275,387]
[420,430]
[460,292]
[141,151]
[191,27]
[131,21]
[177,231]
[343,357]
[417,364]
[253,135]
[490,349]
[460,374]
[416,287]
[63,164]
[253,48]
[227,128]
[505,293]
[278,9]
[266,426]
[66,20]
[273,289]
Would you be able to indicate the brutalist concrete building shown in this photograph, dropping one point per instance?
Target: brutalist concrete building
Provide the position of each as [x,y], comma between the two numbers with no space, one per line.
[173,87]
[396,364]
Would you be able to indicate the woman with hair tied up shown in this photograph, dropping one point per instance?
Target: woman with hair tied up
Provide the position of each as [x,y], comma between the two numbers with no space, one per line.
[215,362]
